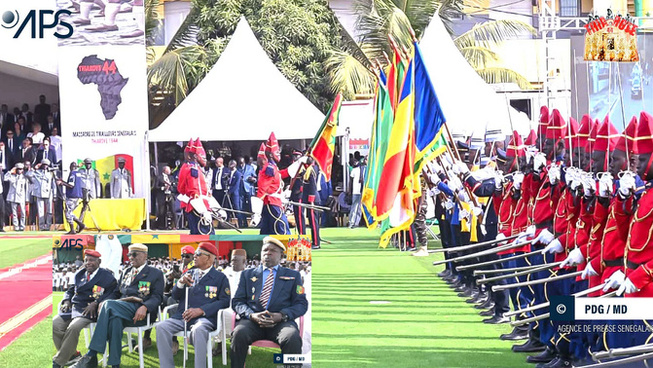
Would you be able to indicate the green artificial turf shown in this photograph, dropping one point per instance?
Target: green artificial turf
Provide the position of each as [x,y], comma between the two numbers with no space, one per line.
[16,251]
[30,350]
[425,324]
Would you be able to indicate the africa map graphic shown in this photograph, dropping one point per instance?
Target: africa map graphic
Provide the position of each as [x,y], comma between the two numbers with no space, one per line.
[104,73]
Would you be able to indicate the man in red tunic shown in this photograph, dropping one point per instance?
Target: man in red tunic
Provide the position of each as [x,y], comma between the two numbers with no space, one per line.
[192,189]
[269,208]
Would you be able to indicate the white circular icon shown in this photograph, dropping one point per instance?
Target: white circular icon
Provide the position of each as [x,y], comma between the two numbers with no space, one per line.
[561,309]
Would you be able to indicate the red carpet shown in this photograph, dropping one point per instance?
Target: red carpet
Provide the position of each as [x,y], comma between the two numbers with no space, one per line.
[28,288]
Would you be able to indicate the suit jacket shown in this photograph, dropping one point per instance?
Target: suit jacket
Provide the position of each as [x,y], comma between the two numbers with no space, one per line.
[52,156]
[234,183]
[101,287]
[147,285]
[222,179]
[248,187]
[287,297]
[27,155]
[12,155]
[210,294]
[120,184]
[163,183]
[7,123]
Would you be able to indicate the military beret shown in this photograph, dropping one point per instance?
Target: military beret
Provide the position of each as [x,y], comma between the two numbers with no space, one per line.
[275,241]
[121,159]
[92,253]
[239,252]
[187,250]
[45,161]
[208,247]
[138,247]
[88,161]
[20,165]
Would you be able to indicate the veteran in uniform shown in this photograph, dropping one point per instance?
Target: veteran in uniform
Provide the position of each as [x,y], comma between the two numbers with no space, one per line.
[208,292]
[268,299]
[79,307]
[141,292]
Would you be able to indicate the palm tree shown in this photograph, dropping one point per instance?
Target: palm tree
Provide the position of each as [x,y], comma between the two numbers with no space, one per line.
[351,73]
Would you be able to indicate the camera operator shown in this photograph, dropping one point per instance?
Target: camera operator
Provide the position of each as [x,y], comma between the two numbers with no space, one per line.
[164,199]
[43,188]
[73,195]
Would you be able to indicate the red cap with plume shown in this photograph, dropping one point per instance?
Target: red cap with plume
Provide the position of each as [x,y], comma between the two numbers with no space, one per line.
[515,146]
[607,136]
[557,128]
[544,121]
[626,142]
[584,131]
[531,140]
[644,137]
[573,130]
[272,147]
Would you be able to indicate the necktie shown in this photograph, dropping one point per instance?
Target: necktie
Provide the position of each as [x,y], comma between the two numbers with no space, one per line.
[88,277]
[11,145]
[267,288]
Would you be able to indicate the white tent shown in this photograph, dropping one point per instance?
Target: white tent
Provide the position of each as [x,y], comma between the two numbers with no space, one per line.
[243,97]
[469,104]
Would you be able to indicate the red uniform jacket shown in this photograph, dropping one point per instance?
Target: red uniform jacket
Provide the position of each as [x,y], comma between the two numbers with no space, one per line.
[639,253]
[546,201]
[593,249]
[269,185]
[191,183]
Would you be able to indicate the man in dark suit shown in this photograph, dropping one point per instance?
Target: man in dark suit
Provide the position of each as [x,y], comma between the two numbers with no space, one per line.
[6,120]
[164,198]
[41,111]
[79,307]
[49,125]
[27,152]
[218,184]
[140,292]
[27,116]
[46,152]
[233,189]
[268,300]
[12,147]
[208,292]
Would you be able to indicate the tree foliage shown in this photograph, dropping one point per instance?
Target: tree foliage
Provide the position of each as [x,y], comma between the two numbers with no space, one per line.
[298,36]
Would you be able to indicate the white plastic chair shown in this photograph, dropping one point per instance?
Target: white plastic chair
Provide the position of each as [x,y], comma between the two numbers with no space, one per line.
[209,342]
[268,343]
[139,331]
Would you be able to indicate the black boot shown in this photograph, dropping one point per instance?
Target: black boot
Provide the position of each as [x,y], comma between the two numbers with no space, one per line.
[533,344]
[544,357]
[518,333]
[72,229]
[485,305]
[80,226]
[558,362]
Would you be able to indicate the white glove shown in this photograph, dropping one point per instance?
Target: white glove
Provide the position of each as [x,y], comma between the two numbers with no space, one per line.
[433,192]
[614,281]
[539,161]
[554,247]
[500,237]
[498,181]
[206,216]
[256,218]
[588,271]
[448,204]
[574,258]
[605,185]
[554,174]
[524,234]
[589,185]
[517,179]
[458,168]
[462,168]
[627,287]
[530,153]
[455,184]
[570,175]
[545,237]
[436,168]
[463,214]
[530,231]
[477,211]
[627,185]
[574,180]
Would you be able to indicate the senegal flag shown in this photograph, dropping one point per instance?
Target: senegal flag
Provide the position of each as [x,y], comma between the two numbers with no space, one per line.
[106,165]
[323,144]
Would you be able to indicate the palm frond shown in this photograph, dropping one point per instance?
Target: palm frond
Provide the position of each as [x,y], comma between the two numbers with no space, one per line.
[491,33]
[347,75]
[478,57]
[186,35]
[504,75]
[152,20]
[177,72]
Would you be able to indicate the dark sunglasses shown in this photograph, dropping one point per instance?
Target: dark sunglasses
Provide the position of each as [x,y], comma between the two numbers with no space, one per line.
[132,254]
[199,253]
[186,256]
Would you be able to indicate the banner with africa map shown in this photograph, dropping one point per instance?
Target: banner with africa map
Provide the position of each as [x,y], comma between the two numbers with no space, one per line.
[103,88]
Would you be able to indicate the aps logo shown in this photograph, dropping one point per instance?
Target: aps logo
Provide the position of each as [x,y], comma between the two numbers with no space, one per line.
[36,21]
[69,243]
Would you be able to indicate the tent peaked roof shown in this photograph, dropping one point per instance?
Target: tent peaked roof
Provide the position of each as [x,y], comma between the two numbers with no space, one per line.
[243,97]
[457,85]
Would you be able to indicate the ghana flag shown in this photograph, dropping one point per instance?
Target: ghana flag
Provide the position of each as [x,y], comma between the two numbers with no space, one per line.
[322,146]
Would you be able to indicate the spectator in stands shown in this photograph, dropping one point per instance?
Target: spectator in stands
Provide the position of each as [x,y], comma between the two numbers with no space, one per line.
[12,145]
[19,129]
[49,125]
[28,117]
[27,151]
[36,134]
[6,120]
[41,111]
[45,151]
[55,142]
